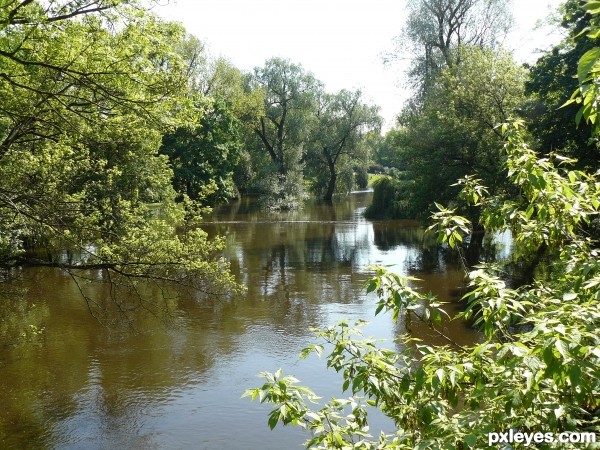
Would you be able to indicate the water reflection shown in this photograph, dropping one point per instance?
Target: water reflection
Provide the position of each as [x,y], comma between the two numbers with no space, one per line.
[177,383]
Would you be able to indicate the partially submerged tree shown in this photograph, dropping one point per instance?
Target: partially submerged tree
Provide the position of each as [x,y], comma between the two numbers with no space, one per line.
[342,121]
[290,95]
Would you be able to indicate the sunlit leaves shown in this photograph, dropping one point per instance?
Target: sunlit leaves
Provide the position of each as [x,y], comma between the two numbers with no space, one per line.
[588,73]
[450,228]
[538,366]
[88,90]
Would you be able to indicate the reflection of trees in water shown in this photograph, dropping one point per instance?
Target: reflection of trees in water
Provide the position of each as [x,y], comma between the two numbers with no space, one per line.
[439,271]
[78,366]
[392,233]
[431,256]
[295,265]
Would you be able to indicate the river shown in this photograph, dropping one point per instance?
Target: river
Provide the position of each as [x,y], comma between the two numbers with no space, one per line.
[71,382]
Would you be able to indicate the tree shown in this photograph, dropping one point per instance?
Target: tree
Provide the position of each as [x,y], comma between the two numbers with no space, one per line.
[537,373]
[385,149]
[455,132]
[550,85]
[56,78]
[206,155]
[342,122]
[438,30]
[283,130]
[89,88]
[246,102]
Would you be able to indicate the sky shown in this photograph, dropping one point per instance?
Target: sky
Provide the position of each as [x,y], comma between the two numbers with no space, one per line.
[342,42]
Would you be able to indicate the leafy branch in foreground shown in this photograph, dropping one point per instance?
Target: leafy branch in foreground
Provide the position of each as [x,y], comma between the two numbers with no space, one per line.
[538,368]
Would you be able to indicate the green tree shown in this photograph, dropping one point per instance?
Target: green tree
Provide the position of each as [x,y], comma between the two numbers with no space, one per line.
[385,149]
[89,88]
[342,121]
[455,133]
[290,95]
[206,155]
[246,101]
[550,85]
[538,369]
[437,30]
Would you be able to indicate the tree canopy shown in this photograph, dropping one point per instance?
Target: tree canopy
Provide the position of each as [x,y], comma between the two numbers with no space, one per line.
[89,88]
[550,85]
[437,30]
[342,121]
[454,133]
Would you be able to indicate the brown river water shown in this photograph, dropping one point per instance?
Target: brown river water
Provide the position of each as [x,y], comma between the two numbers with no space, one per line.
[177,383]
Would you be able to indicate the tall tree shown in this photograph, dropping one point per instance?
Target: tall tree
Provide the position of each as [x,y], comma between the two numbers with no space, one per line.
[342,122]
[456,133]
[87,91]
[436,30]
[246,101]
[290,98]
[290,94]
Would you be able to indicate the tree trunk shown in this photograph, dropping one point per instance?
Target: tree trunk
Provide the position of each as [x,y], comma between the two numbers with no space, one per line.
[328,198]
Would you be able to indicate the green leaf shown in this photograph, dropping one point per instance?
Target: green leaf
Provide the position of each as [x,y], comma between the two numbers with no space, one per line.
[273,419]
[587,63]
[470,440]
[561,347]
[575,375]
[592,7]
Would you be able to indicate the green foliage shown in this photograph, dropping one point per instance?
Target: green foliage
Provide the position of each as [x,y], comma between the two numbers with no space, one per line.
[283,192]
[385,149]
[386,202]
[337,140]
[455,132]
[205,155]
[551,84]
[88,90]
[361,176]
[588,74]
